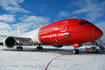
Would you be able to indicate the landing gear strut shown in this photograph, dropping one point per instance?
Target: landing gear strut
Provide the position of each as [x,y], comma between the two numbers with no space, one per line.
[39,47]
[75,50]
[19,47]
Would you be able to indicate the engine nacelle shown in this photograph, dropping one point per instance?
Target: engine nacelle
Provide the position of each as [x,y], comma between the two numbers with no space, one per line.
[9,42]
[58,46]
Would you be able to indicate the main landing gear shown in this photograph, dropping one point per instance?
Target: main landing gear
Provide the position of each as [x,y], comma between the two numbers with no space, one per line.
[39,47]
[19,47]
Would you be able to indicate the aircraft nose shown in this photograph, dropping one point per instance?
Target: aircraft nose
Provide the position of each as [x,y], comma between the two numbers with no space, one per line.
[97,33]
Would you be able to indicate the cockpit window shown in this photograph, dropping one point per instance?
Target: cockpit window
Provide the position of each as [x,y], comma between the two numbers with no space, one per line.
[81,23]
[88,22]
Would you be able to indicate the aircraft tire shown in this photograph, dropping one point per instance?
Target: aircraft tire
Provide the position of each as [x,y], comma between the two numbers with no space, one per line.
[39,48]
[96,51]
[19,48]
[75,51]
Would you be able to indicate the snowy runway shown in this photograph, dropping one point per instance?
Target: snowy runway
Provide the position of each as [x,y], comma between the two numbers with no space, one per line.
[32,59]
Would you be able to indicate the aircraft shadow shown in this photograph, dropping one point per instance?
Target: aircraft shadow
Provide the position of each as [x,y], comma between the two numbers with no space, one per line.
[55,50]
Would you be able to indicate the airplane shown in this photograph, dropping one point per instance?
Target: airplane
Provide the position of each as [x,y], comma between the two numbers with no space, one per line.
[64,32]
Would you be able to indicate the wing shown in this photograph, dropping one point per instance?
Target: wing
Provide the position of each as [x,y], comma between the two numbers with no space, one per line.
[24,40]
[17,38]
[3,36]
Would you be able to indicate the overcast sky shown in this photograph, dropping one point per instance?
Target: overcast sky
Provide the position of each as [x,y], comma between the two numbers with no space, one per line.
[32,14]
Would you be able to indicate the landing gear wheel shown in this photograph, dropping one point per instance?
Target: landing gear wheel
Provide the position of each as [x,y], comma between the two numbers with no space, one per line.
[39,48]
[96,51]
[75,51]
[19,48]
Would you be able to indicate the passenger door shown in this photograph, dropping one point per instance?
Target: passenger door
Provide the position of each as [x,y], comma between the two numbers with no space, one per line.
[63,26]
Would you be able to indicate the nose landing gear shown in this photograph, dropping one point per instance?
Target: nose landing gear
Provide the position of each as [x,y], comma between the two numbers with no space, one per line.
[75,50]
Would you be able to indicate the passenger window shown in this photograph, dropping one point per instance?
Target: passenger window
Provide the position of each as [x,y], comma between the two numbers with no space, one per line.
[88,22]
[81,23]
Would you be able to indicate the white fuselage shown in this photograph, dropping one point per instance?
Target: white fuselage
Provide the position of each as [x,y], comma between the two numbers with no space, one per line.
[34,35]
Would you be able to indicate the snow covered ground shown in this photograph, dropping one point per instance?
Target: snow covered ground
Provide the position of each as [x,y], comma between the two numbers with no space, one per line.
[32,59]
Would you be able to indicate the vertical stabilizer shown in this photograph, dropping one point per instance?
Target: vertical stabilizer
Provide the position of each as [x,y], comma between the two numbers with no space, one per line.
[18,31]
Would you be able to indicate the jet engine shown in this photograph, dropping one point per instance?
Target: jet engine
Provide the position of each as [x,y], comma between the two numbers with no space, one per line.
[9,42]
[58,46]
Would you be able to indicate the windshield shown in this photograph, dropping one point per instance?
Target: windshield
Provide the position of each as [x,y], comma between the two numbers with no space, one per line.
[81,23]
[88,22]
